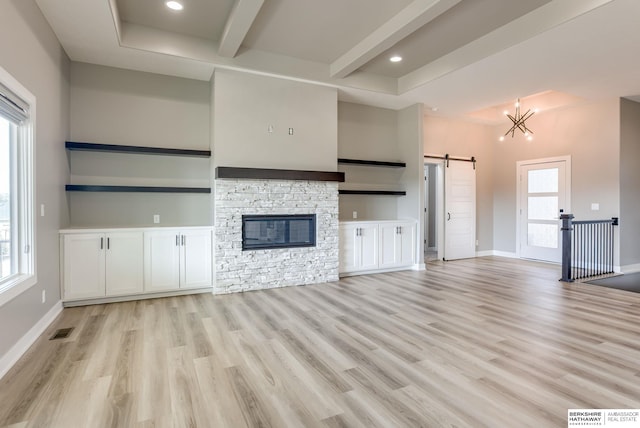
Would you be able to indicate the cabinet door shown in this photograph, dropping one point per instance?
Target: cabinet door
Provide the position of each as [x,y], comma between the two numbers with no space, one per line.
[196,260]
[124,263]
[407,243]
[84,266]
[390,245]
[161,260]
[368,237]
[349,254]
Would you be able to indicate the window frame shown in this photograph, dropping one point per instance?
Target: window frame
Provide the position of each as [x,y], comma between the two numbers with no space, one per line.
[26,277]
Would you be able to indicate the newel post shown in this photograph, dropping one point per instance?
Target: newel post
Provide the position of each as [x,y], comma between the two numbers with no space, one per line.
[566,229]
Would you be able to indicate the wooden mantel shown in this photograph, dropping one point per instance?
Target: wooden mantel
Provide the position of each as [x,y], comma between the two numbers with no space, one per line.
[277,174]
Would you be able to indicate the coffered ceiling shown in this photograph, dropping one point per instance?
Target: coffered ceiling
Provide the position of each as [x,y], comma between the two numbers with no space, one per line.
[459,56]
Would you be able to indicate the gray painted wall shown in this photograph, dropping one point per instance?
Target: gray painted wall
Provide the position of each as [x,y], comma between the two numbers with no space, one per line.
[629,183]
[115,106]
[465,139]
[369,133]
[246,105]
[589,133]
[38,63]
[410,138]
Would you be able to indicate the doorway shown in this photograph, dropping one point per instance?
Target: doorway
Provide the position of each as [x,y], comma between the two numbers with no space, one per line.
[544,192]
[432,208]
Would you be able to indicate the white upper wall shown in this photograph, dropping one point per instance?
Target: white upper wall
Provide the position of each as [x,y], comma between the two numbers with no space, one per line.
[247,106]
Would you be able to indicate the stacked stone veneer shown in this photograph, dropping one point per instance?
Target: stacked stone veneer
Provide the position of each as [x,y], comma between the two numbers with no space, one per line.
[238,270]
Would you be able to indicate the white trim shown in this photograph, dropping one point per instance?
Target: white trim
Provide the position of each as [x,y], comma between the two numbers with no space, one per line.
[519,165]
[131,297]
[506,254]
[22,346]
[628,268]
[27,265]
[372,271]
[419,266]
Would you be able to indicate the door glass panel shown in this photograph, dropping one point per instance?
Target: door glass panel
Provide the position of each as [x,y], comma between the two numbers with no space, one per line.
[543,180]
[543,235]
[543,207]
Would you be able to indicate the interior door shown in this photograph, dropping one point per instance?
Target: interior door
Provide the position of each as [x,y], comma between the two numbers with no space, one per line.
[543,196]
[460,210]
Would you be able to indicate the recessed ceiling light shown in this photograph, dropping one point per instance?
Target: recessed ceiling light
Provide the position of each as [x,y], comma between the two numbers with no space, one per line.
[174,5]
[395,58]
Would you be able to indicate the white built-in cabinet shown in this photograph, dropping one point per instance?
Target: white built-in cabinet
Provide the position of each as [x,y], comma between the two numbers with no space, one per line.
[177,259]
[397,244]
[376,246]
[358,247]
[103,264]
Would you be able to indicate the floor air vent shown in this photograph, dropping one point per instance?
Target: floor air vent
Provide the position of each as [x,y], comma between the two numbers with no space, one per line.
[62,333]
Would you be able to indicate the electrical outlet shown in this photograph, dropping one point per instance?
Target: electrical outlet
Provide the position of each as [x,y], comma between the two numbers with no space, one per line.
[44,296]
[595,206]
[355,214]
[290,131]
[156,218]
[477,242]
[41,210]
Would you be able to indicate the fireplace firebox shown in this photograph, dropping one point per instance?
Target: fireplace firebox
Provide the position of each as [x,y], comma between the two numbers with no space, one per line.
[261,232]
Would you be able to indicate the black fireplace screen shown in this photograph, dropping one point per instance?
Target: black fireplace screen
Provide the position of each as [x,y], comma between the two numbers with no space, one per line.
[278,231]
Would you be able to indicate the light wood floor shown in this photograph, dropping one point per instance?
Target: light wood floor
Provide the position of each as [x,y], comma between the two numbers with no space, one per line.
[484,342]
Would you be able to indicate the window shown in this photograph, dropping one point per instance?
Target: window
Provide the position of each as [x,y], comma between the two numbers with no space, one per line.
[17,259]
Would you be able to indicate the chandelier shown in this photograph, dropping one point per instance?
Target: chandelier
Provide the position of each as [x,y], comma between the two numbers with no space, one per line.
[518,121]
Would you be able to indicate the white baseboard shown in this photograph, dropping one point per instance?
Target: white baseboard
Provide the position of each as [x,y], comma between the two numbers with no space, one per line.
[419,266]
[496,253]
[13,355]
[629,268]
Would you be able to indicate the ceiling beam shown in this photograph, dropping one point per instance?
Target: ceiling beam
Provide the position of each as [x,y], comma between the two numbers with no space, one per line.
[240,20]
[408,20]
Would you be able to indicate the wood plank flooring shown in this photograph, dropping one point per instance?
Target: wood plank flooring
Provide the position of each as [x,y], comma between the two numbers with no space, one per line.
[486,342]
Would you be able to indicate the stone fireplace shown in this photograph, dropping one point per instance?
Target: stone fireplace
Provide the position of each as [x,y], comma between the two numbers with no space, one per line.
[256,269]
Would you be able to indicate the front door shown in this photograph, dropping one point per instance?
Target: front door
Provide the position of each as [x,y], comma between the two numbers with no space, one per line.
[543,196]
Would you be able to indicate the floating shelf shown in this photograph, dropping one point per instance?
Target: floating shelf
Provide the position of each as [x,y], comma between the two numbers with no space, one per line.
[371,163]
[277,174]
[116,148]
[135,189]
[373,192]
